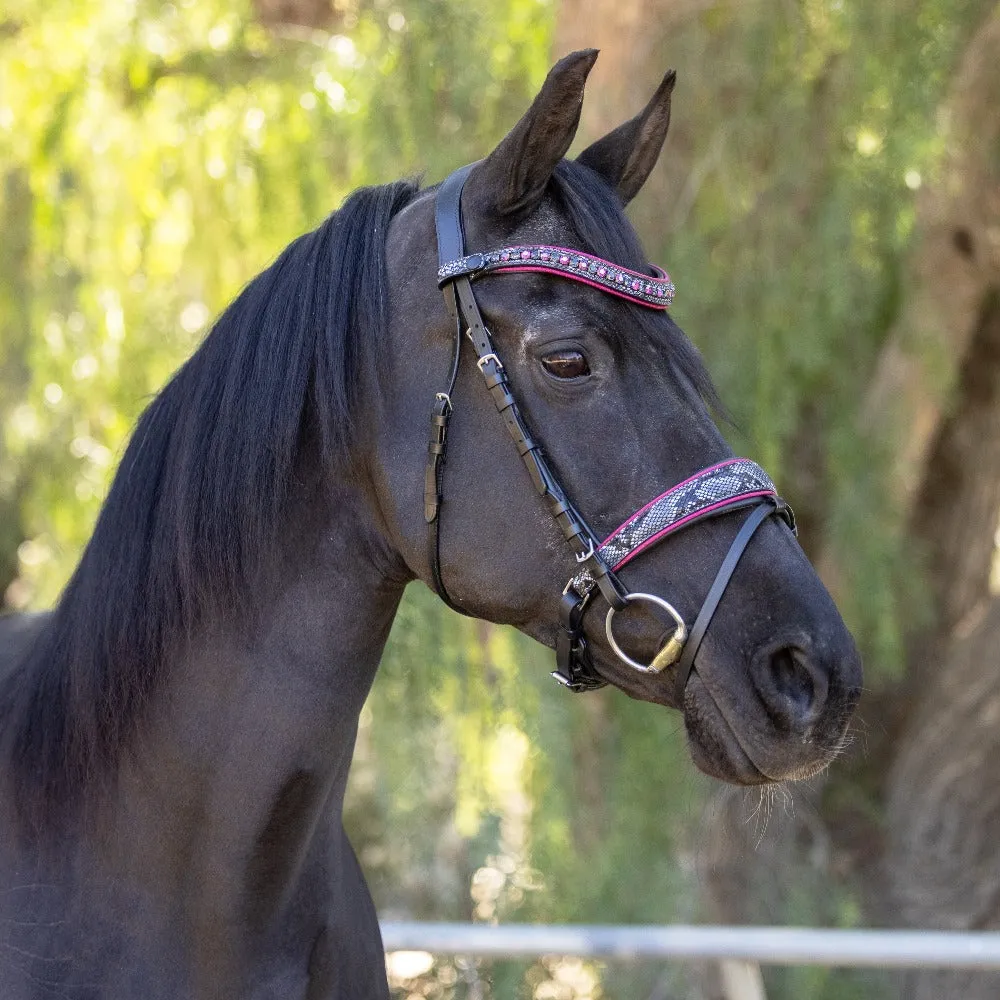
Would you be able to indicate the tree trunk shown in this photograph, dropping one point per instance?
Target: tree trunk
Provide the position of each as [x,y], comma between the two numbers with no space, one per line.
[955,264]
[624,77]
[279,14]
[633,36]
[944,799]
[935,398]
[944,806]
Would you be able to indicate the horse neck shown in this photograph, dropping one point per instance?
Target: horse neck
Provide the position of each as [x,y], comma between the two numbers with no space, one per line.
[244,759]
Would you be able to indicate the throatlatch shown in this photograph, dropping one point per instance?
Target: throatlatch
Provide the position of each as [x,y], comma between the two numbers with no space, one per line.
[729,485]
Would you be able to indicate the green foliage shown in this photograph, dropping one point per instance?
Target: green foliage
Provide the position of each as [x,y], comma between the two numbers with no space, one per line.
[156,156]
[169,152]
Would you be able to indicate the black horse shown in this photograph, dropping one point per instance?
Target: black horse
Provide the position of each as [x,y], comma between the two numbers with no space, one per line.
[175,736]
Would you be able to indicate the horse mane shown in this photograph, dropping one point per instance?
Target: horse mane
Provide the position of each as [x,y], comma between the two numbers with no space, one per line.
[199,495]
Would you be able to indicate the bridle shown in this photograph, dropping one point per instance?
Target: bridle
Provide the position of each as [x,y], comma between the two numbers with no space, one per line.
[727,486]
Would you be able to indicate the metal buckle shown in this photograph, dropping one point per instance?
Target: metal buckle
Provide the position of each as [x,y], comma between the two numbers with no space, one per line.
[669,654]
[445,398]
[489,357]
[582,557]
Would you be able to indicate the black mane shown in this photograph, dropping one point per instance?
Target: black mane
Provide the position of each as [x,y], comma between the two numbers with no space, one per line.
[199,493]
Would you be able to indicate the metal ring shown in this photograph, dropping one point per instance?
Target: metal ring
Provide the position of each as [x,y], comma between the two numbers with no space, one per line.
[675,644]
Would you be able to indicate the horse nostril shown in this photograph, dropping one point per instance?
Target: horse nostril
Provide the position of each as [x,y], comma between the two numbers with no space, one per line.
[794,687]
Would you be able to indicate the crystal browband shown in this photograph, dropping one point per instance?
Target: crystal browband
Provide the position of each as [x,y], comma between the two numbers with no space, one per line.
[655,291]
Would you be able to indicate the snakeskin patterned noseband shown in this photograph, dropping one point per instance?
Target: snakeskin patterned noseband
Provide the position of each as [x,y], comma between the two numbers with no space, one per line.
[730,485]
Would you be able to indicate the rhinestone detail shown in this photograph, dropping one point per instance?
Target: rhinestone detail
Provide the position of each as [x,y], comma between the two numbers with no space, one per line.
[656,291]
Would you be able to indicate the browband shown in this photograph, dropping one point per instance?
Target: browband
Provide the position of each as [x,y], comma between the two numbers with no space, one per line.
[655,291]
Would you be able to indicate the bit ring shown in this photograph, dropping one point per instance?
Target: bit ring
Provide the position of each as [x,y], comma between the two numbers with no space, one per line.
[671,651]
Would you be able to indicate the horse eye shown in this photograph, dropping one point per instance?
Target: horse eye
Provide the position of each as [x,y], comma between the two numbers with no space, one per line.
[566,364]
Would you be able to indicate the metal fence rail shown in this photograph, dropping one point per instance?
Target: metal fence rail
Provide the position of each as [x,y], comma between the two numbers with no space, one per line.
[766,945]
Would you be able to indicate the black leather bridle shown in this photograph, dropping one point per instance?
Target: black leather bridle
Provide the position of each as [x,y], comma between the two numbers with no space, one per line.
[727,486]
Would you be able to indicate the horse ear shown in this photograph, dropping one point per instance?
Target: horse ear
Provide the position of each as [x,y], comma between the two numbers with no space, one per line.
[625,157]
[512,179]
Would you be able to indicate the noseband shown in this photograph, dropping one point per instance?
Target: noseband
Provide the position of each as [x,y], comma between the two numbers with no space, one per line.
[730,485]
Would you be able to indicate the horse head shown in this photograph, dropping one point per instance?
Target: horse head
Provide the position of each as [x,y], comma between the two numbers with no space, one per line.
[609,407]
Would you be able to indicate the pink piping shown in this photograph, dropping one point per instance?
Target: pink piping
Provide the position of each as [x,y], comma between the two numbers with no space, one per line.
[690,479]
[690,517]
[585,281]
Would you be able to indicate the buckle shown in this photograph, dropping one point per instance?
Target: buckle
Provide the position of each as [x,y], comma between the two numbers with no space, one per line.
[486,358]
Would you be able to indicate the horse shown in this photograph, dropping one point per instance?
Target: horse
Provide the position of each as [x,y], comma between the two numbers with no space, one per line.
[175,736]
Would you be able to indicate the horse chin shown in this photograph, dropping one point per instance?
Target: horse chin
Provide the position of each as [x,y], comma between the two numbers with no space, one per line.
[716,748]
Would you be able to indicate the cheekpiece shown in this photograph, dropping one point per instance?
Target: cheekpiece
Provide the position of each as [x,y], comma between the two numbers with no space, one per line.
[655,291]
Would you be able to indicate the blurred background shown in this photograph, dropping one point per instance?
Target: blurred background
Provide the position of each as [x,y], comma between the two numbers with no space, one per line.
[829,206]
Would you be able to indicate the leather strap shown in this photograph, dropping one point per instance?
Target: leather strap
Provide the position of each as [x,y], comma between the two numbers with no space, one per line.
[574,669]
[448,215]
[461,301]
[732,484]
[655,291]
[686,663]
[449,236]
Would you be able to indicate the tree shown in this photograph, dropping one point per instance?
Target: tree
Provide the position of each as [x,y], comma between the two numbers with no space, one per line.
[943,806]
[825,203]
[845,187]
